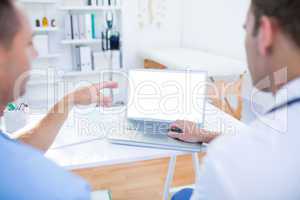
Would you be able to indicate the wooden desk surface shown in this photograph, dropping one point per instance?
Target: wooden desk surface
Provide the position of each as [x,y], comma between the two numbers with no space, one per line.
[139,180]
[130,172]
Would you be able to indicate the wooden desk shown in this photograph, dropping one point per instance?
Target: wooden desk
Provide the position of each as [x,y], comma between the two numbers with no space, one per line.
[139,180]
[130,172]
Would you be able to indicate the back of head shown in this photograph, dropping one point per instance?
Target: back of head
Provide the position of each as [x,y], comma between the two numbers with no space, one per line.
[9,22]
[285,12]
[273,43]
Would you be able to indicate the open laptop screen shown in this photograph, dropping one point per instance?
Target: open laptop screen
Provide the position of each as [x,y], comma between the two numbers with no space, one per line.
[166,96]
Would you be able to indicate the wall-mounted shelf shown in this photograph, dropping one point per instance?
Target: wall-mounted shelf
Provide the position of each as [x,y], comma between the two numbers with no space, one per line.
[61,55]
[38,83]
[81,42]
[89,8]
[49,56]
[39,1]
[80,73]
[45,30]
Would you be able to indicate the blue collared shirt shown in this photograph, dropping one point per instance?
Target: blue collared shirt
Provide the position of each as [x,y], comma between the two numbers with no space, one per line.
[26,174]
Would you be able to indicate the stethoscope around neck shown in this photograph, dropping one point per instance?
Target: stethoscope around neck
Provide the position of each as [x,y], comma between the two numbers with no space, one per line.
[287,104]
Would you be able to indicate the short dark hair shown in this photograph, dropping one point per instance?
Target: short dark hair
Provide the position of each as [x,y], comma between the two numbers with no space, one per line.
[285,12]
[9,22]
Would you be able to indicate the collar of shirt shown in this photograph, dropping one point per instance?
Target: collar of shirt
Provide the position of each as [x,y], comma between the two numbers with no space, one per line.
[287,93]
[4,135]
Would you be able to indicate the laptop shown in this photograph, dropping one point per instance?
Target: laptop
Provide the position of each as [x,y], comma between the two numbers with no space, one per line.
[157,98]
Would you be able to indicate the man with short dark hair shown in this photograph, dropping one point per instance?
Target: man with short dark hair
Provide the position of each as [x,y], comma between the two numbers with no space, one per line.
[25,173]
[261,163]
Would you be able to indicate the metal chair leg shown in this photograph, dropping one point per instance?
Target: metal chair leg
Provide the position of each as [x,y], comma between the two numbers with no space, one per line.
[169,178]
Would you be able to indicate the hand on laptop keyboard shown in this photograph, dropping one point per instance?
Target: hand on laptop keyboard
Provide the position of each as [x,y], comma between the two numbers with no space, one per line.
[189,132]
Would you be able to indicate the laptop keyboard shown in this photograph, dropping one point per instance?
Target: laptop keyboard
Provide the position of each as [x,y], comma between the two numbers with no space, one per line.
[148,127]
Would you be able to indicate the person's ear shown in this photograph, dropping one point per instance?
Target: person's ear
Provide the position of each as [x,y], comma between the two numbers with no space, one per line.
[266,35]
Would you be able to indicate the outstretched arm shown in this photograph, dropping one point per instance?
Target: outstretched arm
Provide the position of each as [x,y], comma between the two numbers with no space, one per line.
[42,134]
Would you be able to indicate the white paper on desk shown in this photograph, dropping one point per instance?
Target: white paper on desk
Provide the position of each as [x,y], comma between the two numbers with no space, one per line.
[101,195]
[89,125]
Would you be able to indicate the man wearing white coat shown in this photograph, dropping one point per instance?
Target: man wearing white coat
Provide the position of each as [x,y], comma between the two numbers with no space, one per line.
[264,162]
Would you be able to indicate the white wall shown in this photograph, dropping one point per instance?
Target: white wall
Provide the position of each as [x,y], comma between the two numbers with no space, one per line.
[215,26]
[136,39]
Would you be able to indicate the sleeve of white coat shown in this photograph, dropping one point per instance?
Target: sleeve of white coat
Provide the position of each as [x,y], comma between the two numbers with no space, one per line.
[213,181]
[225,173]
